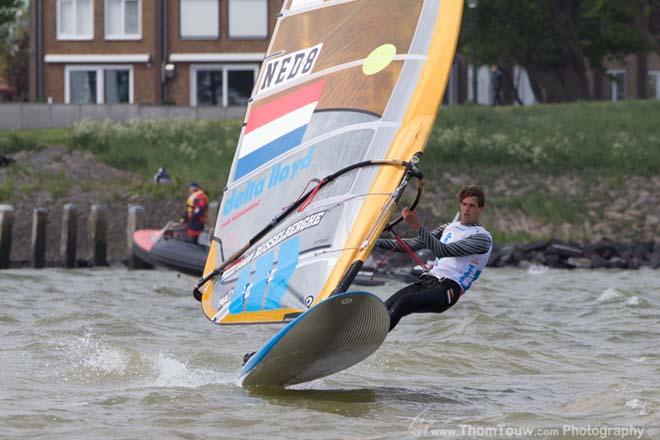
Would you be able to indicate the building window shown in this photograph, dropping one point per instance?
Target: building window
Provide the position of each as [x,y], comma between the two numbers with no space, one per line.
[248,18]
[99,85]
[83,87]
[653,91]
[75,19]
[209,87]
[200,19]
[617,85]
[240,83]
[123,19]
[116,85]
[222,85]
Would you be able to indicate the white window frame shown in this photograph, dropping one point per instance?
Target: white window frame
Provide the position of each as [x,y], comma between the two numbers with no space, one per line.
[614,85]
[124,35]
[655,73]
[60,35]
[100,80]
[225,68]
[246,37]
[199,37]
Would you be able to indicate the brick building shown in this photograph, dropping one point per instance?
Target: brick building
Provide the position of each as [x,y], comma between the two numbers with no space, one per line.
[208,52]
[183,52]
[4,87]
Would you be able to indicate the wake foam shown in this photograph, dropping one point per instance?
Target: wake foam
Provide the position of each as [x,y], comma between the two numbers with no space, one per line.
[89,359]
[640,405]
[171,372]
[610,294]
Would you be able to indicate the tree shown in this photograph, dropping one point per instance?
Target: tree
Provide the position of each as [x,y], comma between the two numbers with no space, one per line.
[553,40]
[8,11]
[643,12]
[16,66]
[14,47]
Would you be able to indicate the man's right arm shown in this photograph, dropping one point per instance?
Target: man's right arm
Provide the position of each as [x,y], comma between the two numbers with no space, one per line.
[414,243]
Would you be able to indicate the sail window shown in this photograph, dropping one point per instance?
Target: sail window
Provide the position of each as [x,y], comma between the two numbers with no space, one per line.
[122,19]
[200,19]
[75,20]
[248,19]
[222,85]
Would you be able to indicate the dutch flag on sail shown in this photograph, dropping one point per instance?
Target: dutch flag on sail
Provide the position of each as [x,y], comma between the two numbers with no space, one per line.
[276,127]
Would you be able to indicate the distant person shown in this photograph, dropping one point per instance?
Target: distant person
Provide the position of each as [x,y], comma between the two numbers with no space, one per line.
[197,206]
[462,249]
[496,79]
[162,176]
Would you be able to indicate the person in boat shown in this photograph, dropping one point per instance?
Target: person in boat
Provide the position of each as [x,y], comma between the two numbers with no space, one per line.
[462,249]
[197,206]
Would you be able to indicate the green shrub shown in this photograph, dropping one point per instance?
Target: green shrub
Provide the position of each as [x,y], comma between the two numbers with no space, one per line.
[188,149]
[614,137]
[7,190]
[13,143]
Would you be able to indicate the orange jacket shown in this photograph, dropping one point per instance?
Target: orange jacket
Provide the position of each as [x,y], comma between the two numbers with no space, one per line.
[196,207]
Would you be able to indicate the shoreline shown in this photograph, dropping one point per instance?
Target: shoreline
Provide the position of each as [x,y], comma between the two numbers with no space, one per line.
[555,254]
[520,208]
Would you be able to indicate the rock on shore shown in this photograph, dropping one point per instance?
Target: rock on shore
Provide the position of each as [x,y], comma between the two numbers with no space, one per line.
[567,255]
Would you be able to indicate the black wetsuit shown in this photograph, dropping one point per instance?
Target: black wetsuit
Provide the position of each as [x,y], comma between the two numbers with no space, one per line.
[431,294]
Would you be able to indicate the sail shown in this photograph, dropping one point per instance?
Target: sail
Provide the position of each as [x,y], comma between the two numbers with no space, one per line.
[346,96]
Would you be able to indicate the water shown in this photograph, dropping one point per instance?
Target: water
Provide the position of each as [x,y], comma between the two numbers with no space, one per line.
[117,354]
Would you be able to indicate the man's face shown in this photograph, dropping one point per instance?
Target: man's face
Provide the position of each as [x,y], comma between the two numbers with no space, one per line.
[470,210]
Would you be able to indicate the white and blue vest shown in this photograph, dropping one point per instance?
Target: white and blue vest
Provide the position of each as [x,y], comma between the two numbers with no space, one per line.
[463,270]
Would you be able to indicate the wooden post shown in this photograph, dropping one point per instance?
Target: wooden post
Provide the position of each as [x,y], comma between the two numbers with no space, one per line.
[39,222]
[98,229]
[69,236]
[134,223]
[6,226]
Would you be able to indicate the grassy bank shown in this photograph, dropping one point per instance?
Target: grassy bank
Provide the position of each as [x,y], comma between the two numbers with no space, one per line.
[189,150]
[12,141]
[613,138]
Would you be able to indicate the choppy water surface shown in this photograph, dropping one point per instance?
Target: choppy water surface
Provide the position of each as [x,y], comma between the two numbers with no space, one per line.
[117,354]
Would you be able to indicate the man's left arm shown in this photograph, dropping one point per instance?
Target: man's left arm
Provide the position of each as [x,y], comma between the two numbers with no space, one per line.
[475,244]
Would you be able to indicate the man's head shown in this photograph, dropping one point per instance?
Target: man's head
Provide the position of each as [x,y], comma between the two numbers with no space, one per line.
[193,186]
[471,201]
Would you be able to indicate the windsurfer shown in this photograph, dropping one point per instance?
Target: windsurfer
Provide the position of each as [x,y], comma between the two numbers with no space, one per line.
[461,248]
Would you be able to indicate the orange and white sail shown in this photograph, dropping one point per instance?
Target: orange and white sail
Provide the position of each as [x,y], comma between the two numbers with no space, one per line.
[344,82]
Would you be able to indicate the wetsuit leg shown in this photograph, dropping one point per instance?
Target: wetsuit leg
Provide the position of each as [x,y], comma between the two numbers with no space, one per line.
[429,295]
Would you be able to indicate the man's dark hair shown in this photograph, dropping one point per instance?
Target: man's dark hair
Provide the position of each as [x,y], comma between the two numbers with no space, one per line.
[472,191]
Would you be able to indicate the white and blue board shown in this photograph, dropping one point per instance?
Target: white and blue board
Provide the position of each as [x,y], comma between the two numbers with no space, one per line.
[332,336]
